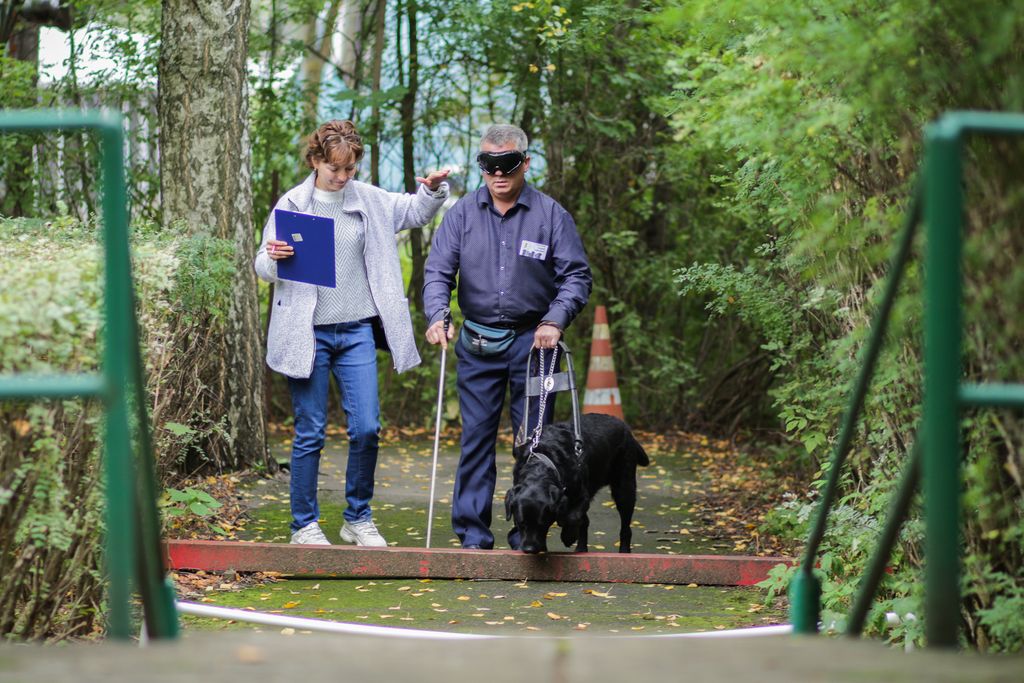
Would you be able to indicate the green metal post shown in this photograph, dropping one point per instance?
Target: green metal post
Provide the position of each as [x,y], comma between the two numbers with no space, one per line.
[886,542]
[157,590]
[805,601]
[133,527]
[121,489]
[941,423]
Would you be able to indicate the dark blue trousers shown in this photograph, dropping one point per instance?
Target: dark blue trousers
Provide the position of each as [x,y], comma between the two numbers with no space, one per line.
[482,381]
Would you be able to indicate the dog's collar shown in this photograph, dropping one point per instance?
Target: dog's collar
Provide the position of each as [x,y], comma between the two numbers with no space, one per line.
[547,461]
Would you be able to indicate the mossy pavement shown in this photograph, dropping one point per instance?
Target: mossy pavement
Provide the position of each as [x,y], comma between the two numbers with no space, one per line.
[664,523]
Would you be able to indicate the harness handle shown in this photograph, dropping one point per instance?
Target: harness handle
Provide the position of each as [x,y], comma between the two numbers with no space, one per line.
[562,381]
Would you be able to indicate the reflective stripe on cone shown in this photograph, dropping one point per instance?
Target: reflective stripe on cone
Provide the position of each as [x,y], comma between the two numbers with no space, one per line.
[602,395]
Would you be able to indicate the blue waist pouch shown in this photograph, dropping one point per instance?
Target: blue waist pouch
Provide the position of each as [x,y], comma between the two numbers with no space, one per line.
[482,340]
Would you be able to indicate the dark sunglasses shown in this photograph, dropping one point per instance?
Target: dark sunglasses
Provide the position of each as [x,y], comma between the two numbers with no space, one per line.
[506,162]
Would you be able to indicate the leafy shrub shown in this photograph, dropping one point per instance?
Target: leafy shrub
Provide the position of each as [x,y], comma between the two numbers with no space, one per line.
[51,490]
[190,507]
[811,118]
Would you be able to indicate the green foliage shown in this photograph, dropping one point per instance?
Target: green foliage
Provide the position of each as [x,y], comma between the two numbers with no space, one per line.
[205,275]
[1004,620]
[278,128]
[18,92]
[51,314]
[810,120]
[189,501]
[190,507]
[777,582]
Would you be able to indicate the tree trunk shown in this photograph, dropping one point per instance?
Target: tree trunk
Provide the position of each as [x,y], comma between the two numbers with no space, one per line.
[378,59]
[408,109]
[205,182]
[20,200]
[351,42]
[318,52]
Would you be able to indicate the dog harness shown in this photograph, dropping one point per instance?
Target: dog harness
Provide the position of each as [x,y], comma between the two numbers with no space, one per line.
[547,461]
[547,381]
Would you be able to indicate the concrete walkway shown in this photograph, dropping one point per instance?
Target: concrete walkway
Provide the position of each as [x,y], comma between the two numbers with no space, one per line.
[259,657]
[662,522]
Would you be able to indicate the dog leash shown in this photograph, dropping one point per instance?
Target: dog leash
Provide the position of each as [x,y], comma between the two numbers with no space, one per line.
[543,384]
[547,383]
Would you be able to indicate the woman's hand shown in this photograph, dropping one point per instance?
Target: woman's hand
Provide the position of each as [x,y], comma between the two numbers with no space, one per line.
[434,179]
[278,249]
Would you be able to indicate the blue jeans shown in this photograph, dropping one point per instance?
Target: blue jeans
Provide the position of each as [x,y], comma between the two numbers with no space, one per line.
[347,351]
[482,382]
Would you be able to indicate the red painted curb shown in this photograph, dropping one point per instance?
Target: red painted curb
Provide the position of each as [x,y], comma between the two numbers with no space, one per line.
[439,563]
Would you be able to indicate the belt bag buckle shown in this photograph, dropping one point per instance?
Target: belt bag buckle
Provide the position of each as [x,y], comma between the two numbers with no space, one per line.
[482,340]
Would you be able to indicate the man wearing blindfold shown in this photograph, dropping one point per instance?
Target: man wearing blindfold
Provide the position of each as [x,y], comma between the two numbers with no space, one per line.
[522,278]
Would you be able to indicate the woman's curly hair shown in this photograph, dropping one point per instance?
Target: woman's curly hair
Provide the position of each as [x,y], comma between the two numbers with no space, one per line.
[333,142]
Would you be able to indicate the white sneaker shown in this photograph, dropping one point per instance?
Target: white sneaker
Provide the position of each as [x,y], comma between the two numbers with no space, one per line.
[363,533]
[311,534]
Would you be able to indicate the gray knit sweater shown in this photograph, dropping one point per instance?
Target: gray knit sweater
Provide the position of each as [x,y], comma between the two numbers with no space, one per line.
[350,299]
[290,341]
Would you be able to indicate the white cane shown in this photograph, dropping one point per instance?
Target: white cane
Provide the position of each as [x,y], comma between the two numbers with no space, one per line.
[437,427]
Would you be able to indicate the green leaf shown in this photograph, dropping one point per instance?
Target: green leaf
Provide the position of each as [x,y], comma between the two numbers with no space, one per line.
[179,429]
[199,509]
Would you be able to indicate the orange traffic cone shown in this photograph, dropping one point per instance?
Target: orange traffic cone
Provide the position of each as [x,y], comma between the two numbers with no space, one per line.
[602,387]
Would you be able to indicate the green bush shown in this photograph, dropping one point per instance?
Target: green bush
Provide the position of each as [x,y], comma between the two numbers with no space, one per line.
[812,119]
[51,491]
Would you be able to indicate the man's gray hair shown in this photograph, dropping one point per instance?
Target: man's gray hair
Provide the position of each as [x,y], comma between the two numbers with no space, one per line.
[503,133]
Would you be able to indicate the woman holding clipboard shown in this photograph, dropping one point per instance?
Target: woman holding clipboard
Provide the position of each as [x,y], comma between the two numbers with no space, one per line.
[317,331]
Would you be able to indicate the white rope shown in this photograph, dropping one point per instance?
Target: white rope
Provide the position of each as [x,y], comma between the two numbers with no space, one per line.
[322,625]
[751,632]
[343,628]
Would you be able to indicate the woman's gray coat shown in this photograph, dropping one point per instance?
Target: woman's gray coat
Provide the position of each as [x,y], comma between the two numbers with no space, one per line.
[290,342]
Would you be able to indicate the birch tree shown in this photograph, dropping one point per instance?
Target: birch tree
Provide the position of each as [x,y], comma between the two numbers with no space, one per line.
[205,184]
[318,52]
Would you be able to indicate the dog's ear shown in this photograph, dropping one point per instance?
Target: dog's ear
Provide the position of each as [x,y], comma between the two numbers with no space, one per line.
[509,496]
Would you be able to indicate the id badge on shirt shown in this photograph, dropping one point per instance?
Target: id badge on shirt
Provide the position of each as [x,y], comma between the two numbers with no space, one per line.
[533,250]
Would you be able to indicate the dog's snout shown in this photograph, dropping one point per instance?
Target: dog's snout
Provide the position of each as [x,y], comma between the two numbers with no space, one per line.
[531,548]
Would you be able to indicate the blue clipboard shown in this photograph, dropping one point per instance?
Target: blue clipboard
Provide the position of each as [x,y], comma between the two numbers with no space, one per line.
[312,238]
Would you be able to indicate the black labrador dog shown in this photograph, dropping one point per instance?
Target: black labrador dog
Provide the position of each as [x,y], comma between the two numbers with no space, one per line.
[549,484]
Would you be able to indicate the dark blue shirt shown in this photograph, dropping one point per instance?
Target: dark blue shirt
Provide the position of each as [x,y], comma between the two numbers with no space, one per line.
[515,270]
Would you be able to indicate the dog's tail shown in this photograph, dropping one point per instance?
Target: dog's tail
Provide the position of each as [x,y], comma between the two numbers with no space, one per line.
[639,453]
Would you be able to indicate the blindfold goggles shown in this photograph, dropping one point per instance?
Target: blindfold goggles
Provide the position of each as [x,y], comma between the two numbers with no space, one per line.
[506,162]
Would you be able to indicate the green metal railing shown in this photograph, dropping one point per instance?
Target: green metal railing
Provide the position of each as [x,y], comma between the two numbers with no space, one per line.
[133,553]
[937,452]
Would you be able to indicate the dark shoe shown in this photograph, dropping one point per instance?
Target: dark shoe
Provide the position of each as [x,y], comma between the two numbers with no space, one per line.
[471,546]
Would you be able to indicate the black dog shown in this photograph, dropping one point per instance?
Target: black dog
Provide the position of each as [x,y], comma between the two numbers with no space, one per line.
[551,485]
